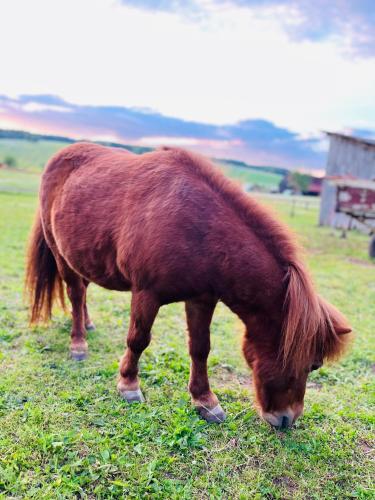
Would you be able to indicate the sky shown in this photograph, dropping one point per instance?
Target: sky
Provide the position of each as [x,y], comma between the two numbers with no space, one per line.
[256,80]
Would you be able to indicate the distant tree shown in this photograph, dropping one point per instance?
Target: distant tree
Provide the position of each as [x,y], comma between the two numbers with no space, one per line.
[300,181]
[10,161]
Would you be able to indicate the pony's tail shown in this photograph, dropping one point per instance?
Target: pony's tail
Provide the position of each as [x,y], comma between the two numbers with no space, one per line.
[43,282]
[312,326]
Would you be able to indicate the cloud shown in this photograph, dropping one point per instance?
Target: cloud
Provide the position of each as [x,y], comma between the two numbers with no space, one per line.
[165,5]
[256,141]
[350,21]
[215,62]
[35,107]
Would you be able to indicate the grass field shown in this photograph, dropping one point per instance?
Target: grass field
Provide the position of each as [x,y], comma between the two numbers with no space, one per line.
[266,180]
[29,155]
[65,433]
[15,181]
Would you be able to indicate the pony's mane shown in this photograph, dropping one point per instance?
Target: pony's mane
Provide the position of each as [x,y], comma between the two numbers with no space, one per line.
[313,329]
[277,238]
[311,326]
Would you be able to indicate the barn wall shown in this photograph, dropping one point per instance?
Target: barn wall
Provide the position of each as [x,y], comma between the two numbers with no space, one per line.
[349,157]
[345,157]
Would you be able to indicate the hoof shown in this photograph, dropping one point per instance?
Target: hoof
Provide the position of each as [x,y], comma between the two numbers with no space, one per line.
[132,396]
[214,415]
[90,326]
[78,355]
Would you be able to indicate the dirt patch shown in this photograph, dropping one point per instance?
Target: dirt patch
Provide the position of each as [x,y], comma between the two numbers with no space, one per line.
[360,262]
[367,448]
[314,385]
[286,482]
[225,377]
[251,462]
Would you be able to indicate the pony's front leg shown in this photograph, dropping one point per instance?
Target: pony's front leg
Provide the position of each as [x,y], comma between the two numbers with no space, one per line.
[199,314]
[144,308]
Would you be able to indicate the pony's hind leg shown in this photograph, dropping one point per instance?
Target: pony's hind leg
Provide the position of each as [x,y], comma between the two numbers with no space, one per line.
[144,308]
[89,325]
[76,289]
[199,314]
[78,345]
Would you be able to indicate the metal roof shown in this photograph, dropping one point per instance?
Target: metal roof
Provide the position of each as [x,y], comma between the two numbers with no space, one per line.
[358,140]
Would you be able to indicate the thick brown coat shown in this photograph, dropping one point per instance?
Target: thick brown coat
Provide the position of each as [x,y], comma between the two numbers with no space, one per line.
[169,227]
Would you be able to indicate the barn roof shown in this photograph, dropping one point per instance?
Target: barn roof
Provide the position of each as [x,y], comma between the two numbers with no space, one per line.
[350,138]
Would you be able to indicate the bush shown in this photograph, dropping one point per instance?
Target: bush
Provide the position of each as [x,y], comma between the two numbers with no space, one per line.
[10,161]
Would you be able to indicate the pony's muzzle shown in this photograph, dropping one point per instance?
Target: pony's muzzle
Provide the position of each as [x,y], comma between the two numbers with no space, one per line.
[282,419]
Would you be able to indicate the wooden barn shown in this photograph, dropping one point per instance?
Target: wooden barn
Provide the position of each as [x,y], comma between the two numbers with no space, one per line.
[348,158]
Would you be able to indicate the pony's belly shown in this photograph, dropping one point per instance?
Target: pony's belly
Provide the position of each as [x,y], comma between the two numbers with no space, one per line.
[94,262]
[120,285]
[94,269]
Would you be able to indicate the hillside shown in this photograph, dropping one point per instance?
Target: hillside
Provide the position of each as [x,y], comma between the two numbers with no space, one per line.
[30,152]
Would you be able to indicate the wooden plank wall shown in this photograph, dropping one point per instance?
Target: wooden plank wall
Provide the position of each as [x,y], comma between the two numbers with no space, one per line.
[345,157]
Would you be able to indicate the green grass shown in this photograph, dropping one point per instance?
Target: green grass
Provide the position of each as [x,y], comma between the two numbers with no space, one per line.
[65,433]
[15,181]
[30,155]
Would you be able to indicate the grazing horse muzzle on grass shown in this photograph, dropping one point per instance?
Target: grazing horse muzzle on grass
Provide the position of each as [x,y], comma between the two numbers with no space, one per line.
[280,400]
[168,227]
[316,331]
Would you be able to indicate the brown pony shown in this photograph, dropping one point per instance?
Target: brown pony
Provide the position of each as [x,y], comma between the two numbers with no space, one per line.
[169,227]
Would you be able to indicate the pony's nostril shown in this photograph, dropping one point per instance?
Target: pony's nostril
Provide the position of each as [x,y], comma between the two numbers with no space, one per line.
[284,422]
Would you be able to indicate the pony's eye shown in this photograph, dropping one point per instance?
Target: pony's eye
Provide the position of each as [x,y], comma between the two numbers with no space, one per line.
[316,366]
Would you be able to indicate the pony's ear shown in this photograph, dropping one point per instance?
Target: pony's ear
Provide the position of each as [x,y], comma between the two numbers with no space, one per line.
[337,319]
[336,331]
[342,330]
[339,322]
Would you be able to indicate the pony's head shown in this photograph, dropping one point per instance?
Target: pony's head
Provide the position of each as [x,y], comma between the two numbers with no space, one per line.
[312,332]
